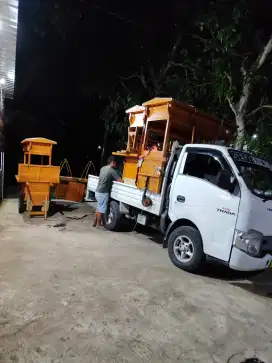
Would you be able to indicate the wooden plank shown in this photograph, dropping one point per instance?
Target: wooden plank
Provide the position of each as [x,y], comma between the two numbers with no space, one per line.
[166,138]
[35,173]
[130,168]
[158,113]
[193,135]
[75,191]
[157,101]
[38,140]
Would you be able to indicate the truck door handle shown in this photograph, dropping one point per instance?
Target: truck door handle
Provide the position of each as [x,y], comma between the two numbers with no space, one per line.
[181,198]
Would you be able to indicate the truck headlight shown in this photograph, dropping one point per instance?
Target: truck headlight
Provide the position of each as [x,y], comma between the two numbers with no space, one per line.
[249,242]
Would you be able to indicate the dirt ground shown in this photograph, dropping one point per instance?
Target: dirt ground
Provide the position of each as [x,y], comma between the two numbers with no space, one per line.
[70,293]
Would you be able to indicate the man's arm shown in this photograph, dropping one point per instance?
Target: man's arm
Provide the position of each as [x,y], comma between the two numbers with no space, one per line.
[115,176]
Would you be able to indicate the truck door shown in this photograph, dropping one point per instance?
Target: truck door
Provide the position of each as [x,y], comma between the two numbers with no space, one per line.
[197,197]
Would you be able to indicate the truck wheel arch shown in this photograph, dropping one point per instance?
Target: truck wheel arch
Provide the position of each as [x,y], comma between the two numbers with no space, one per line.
[178,223]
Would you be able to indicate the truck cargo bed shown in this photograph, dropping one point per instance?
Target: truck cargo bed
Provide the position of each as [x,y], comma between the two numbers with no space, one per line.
[128,194]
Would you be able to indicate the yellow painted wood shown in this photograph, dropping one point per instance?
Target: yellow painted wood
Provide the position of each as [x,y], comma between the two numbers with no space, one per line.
[169,121]
[36,180]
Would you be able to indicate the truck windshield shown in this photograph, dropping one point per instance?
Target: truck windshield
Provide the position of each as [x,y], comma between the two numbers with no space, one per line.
[256,172]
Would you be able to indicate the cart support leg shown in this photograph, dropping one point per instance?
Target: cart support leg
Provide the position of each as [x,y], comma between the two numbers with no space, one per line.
[29,206]
[45,208]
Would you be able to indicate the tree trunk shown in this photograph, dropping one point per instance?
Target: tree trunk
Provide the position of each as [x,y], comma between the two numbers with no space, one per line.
[239,109]
[240,140]
[104,148]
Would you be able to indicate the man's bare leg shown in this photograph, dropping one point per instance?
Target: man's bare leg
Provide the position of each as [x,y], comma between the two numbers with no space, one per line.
[95,219]
[99,218]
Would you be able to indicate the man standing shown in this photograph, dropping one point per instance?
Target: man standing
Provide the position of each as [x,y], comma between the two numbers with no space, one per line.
[107,176]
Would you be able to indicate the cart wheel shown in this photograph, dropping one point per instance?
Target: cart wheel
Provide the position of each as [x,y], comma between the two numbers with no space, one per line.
[22,204]
[29,206]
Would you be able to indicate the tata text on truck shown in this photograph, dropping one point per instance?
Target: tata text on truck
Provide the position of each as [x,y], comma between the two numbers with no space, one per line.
[209,201]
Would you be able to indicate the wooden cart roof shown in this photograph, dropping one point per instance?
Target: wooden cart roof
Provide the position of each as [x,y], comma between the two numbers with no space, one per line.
[40,140]
[160,101]
[136,109]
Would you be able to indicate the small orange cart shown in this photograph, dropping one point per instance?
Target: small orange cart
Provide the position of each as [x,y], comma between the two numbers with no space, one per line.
[72,188]
[36,175]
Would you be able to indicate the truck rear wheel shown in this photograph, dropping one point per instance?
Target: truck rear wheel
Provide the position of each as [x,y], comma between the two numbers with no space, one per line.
[113,218]
[185,249]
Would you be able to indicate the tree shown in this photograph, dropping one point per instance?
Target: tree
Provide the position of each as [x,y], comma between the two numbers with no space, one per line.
[235,53]
[114,118]
[220,64]
[215,56]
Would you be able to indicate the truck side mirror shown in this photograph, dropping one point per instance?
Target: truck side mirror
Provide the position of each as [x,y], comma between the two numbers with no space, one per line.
[225,181]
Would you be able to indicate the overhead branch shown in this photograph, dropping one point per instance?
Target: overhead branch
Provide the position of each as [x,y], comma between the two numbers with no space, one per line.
[229,78]
[141,77]
[110,13]
[199,38]
[243,69]
[258,109]
[125,87]
[152,75]
[232,106]
[262,57]
[175,47]
[164,70]
[245,96]
[247,86]
[177,64]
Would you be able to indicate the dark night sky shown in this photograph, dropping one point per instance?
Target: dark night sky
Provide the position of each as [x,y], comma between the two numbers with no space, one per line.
[58,77]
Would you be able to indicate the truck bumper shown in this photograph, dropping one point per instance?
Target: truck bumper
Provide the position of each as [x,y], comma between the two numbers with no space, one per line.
[240,261]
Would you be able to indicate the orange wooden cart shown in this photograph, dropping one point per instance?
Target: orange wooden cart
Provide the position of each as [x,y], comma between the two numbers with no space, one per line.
[36,175]
[73,188]
[154,126]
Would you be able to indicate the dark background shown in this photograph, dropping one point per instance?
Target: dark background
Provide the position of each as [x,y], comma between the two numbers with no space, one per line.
[70,54]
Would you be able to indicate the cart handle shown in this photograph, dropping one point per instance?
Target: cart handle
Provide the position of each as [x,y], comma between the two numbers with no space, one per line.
[85,172]
[66,164]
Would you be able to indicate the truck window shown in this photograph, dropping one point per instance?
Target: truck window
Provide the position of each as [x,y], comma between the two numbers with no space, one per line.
[202,166]
[256,172]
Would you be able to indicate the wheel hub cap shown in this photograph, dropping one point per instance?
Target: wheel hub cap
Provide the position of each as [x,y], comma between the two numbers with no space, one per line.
[110,215]
[183,249]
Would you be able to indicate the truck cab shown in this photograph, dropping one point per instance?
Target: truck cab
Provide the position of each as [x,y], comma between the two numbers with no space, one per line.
[209,201]
[220,206]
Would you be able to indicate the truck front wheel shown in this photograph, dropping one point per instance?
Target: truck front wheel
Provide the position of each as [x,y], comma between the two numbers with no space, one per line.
[185,248]
[113,218]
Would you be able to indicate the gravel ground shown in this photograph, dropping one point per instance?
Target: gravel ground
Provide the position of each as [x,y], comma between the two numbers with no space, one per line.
[70,293]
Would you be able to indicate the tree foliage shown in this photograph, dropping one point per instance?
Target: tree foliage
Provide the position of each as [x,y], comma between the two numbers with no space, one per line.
[221,64]
[216,56]
[237,54]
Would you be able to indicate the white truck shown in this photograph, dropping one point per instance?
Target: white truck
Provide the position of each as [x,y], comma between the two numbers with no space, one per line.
[215,204]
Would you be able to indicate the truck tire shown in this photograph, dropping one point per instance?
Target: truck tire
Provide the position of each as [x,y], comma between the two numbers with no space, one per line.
[21,204]
[113,218]
[185,249]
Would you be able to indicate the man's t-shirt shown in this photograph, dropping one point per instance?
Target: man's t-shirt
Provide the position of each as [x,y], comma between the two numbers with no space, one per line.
[106,177]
